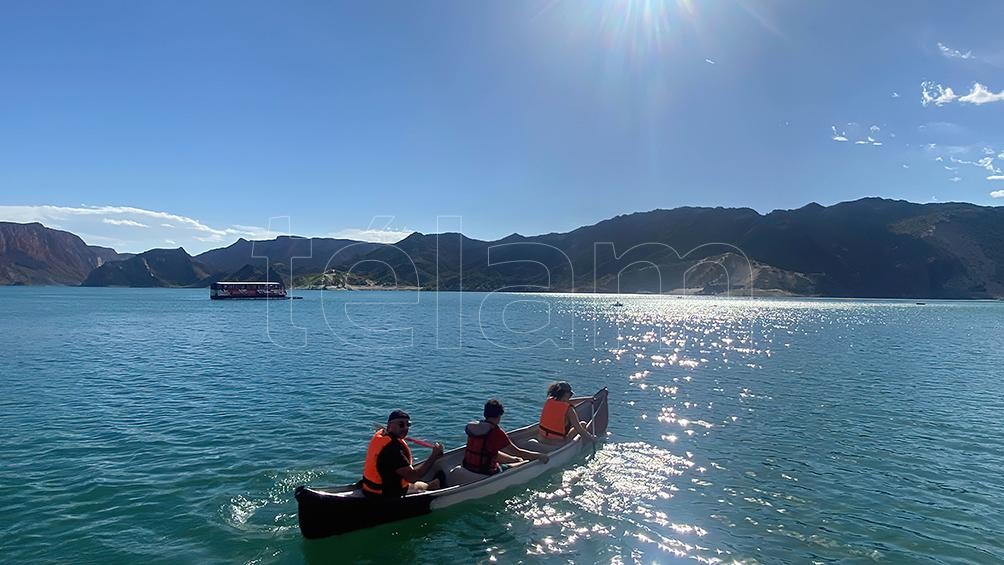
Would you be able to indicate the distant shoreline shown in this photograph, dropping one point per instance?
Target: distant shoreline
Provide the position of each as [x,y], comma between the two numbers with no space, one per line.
[676,293]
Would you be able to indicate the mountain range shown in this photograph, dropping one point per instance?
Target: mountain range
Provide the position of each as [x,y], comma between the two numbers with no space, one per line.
[32,254]
[871,247]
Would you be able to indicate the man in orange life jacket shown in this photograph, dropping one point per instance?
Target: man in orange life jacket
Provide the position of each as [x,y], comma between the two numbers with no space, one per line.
[388,470]
[488,445]
[558,417]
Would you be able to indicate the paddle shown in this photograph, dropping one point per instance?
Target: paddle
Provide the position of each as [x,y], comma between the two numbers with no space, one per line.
[592,424]
[416,441]
[592,420]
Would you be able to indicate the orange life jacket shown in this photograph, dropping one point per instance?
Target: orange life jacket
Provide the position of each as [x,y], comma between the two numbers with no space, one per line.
[553,422]
[372,481]
[477,458]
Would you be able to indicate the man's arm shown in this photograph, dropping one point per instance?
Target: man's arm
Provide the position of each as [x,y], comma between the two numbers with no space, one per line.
[411,474]
[506,458]
[573,419]
[511,451]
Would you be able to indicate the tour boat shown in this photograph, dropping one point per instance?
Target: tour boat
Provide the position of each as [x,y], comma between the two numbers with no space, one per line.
[253,289]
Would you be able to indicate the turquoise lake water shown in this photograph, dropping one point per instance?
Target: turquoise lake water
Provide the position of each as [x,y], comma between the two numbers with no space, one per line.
[154,425]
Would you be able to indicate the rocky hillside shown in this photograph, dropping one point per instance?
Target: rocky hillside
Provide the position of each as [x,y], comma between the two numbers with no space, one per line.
[867,248]
[289,256]
[34,254]
[154,268]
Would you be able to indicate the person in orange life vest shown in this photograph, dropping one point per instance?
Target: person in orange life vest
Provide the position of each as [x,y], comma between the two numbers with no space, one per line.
[488,445]
[388,470]
[558,418]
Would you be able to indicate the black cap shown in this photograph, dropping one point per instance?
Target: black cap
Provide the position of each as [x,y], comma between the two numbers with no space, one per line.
[399,415]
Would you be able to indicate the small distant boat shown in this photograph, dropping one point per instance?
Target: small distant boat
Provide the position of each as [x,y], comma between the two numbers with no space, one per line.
[332,511]
[247,290]
[920,303]
[618,304]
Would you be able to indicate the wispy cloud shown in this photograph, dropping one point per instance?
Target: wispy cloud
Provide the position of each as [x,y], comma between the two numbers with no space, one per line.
[995,177]
[129,223]
[939,95]
[986,163]
[936,94]
[940,127]
[93,222]
[373,235]
[895,95]
[955,179]
[953,53]
[709,61]
[861,134]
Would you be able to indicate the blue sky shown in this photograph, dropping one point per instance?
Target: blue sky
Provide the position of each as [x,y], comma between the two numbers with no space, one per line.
[158,124]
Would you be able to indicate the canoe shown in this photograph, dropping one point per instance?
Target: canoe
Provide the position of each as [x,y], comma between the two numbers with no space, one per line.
[331,511]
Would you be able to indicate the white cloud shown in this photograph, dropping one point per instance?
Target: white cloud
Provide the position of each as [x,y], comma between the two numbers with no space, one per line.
[947,168]
[170,242]
[955,179]
[936,94]
[988,164]
[64,212]
[984,163]
[995,177]
[709,61]
[861,134]
[895,95]
[953,53]
[373,235]
[129,223]
[91,224]
[980,94]
[997,194]
[905,166]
